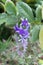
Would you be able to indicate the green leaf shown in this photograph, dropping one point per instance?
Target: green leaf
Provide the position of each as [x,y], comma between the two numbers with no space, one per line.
[41,37]
[10,20]
[40,62]
[3,18]
[4,45]
[1,5]
[35,33]
[10,8]
[25,11]
[38,14]
[3,1]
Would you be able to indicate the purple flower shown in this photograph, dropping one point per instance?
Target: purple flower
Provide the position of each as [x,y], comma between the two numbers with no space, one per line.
[24,35]
[21,49]
[24,42]
[20,53]
[25,23]
[16,28]
[21,31]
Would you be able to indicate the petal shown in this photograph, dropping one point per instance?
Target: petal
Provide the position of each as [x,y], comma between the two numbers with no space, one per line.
[16,28]
[24,22]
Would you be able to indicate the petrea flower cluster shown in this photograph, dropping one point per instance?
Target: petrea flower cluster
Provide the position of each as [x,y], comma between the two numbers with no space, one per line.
[23,31]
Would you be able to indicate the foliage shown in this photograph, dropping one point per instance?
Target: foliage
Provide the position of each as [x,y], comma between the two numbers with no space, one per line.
[25,11]
[21,32]
[35,33]
[41,37]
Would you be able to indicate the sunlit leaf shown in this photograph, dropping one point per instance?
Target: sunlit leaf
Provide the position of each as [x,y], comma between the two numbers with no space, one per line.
[41,37]
[4,1]
[40,61]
